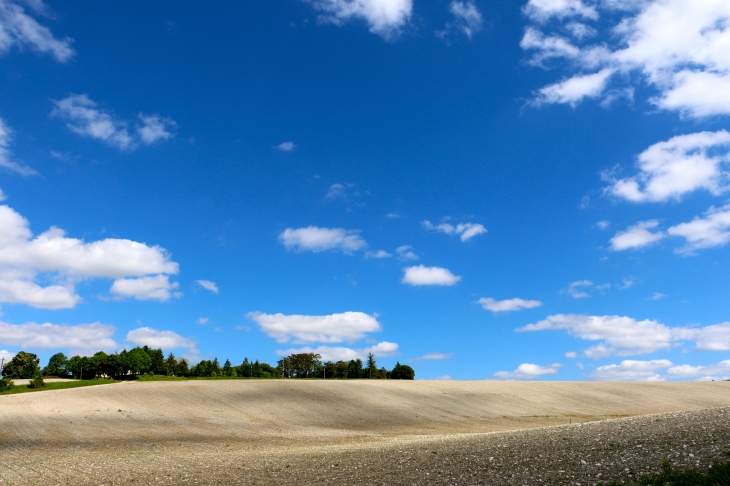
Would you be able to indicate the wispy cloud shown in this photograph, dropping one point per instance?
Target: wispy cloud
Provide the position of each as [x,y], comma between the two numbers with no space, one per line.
[315,239]
[422,275]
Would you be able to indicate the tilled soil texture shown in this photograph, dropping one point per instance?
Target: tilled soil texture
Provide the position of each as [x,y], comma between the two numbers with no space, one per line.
[295,432]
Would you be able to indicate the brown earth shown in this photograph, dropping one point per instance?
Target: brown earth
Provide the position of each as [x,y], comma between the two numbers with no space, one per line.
[294,432]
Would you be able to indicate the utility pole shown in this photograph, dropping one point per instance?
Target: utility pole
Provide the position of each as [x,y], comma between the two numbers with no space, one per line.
[2,364]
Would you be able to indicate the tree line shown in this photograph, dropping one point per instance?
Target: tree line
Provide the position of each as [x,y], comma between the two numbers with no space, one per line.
[310,365]
[148,361]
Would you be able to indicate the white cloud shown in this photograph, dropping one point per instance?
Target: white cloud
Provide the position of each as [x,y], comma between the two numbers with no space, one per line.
[378,254]
[339,353]
[434,356]
[465,230]
[719,371]
[713,338]
[203,321]
[571,354]
[636,236]
[317,239]
[603,224]
[23,258]
[489,303]
[155,287]
[19,29]
[574,90]
[467,18]
[155,128]
[678,47]
[682,164]
[421,275]
[79,339]
[627,283]
[333,328]
[618,336]
[6,355]
[442,377]
[529,371]
[6,158]
[167,340]
[286,146]
[405,253]
[632,370]
[657,296]
[86,119]
[384,17]
[543,10]
[208,285]
[575,289]
[707,232]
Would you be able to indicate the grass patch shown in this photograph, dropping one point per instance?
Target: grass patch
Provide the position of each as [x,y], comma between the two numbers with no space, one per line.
[57,386]
[717,475]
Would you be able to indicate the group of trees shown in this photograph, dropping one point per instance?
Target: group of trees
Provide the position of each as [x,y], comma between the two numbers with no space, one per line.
[310,365]
[146,360]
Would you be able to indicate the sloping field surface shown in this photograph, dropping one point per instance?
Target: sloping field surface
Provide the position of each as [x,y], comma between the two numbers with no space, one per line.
[290,413]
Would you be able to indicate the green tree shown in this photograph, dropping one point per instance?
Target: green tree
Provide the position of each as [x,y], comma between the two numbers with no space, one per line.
[170,364]
[402,372]
[181,369]
[157,360]
[23,365]
[227,368]
[56,366]
[354,368]
[138,361]
[372,367]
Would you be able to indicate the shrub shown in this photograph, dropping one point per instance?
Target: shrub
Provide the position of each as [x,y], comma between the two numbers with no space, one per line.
[37,381]
[6,384]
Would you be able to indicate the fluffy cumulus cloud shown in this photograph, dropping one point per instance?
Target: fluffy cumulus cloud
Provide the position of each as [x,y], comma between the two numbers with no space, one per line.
[18,29]
[529,371]
[208,285]
[713,338]
[678,47]
[315,239]
[6,157]
[422,275]
[25,257]
[574,90]
[680,165]
[167,340]
[626,336]
[384,17]
[637,236]
[333,328]
[85,118]
[489,303]
[711,230]
[465,231]
[154,287]
[81,339]
[719,371]
[660,370]
[632,370]
[383,349]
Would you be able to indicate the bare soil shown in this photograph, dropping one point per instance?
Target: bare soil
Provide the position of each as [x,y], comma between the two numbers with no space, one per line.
[359,432]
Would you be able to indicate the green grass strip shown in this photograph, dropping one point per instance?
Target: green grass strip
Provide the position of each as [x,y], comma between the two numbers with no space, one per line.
[58,386]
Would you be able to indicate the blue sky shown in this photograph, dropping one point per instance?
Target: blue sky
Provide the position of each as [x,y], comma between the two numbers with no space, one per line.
[511,190]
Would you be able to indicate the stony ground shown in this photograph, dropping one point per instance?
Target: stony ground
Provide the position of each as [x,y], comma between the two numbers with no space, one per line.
[585,453]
